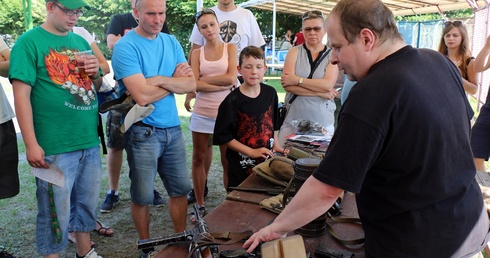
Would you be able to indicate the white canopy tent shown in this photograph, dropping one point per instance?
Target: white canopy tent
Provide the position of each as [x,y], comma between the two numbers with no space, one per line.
[399,7]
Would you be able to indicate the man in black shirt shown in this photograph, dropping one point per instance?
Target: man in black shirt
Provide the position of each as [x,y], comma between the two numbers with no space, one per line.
[402,145]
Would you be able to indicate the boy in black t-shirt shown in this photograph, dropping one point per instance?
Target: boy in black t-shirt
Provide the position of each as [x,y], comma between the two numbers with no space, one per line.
[246,119]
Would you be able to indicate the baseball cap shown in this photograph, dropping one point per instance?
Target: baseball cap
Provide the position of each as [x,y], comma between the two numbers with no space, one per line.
[71,4]
[136,114]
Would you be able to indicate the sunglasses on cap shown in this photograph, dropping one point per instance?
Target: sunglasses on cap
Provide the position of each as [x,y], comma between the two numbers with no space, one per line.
[312,15]
[203,12]
[454,23]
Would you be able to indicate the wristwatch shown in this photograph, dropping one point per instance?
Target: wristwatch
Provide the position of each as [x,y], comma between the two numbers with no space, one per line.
[300,81]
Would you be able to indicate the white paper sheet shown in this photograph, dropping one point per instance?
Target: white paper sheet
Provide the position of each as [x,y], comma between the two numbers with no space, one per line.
[53,175]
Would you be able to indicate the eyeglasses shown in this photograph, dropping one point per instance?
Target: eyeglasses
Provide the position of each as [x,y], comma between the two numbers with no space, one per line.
[316,29]
[203,12]
[312,15]
[454,23]
[69,12]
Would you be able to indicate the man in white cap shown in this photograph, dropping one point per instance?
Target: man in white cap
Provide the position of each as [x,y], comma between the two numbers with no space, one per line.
[57,113]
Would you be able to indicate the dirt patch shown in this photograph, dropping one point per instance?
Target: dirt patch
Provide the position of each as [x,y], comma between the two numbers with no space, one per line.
[123,243]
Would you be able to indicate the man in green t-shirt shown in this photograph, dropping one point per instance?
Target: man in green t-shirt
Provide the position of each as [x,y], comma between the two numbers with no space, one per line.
[57,112]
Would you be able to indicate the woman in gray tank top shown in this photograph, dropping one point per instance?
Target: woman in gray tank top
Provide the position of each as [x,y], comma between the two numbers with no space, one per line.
[315,92]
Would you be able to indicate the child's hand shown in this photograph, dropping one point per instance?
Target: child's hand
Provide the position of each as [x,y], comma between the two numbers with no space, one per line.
[261,153]
[278,149]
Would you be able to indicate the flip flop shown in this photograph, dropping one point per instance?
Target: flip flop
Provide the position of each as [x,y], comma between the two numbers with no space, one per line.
[103,230]
[71,238]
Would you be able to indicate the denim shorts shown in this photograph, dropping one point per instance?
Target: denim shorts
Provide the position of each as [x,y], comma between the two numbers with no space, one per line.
[113,130]
[152,150]
[79,196]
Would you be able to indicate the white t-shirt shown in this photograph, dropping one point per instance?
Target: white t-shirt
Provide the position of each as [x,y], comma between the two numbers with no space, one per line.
[6,111]
[84,33]
[238,27]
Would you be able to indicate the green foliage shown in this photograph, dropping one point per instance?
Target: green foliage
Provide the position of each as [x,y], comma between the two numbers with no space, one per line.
[12,16]
[97,19]
[284,22]
[180,19]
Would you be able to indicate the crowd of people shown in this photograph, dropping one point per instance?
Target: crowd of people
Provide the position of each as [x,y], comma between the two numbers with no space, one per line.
[407,150]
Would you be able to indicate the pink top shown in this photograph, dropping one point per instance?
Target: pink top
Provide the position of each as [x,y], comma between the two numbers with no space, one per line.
[207,103]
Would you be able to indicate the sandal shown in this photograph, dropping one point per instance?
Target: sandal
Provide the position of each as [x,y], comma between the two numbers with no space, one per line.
[202,212]
[72,239]
[103,230]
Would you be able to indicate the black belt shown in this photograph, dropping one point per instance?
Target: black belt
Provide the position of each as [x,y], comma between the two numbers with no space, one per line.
[140,123]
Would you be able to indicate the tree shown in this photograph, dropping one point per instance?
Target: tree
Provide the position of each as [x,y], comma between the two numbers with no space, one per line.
[12,18]
[96,20]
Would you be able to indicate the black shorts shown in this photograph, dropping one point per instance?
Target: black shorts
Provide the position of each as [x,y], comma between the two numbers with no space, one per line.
[480,135]
[113,130]
[9,158]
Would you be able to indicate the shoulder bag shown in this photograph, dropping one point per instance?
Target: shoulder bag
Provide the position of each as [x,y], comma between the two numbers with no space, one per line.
[283,108]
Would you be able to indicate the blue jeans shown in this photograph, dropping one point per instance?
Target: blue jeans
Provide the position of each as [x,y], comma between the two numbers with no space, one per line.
[79,196]
[152,150]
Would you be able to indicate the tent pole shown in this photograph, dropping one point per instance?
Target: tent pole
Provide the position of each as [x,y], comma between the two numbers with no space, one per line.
[27,6]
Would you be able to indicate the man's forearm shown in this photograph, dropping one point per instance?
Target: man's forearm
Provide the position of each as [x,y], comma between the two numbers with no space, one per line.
[179,85]
[315,197]
[144,90]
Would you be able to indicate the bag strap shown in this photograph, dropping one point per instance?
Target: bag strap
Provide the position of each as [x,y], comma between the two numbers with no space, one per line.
[315,65]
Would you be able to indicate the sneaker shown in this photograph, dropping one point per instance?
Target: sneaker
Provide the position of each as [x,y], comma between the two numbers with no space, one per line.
[111,199]
[90,254]
[191,196]
[5,254]
[158,199]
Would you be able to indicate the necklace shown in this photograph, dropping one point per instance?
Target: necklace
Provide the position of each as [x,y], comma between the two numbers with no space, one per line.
[212,54]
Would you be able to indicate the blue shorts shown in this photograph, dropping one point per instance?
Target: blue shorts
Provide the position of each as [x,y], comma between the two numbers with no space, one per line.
[79,196]
[152,150]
